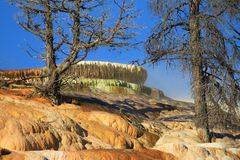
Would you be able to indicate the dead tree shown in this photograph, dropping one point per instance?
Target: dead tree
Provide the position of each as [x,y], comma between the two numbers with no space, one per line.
[190,31]
[71,29]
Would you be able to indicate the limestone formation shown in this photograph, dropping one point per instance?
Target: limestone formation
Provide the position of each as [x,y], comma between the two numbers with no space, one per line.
[86,69]
[91,155]
[186,145]
[112,86]
[107,70]
[183,151]
[103,126]
[32,125]
[105,76]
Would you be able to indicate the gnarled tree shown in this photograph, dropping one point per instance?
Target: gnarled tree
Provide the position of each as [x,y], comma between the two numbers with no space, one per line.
[71,29]
[205,35]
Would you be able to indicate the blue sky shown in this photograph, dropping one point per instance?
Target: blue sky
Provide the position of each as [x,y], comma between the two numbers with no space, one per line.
[14,40]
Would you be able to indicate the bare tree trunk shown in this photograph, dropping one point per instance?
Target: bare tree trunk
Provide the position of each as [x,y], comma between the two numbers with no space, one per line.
[51,89]
[52,86]
[201,115]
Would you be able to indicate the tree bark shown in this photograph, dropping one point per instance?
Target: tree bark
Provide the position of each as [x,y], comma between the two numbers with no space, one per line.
[51,88]
[201,115]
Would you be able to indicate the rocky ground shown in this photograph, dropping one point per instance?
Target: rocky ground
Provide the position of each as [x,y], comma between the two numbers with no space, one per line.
[97,126]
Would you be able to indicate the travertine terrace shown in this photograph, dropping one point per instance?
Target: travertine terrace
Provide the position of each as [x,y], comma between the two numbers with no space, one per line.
[85,69]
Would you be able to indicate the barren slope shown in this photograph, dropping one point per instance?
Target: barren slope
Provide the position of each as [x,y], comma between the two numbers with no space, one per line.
[101,126]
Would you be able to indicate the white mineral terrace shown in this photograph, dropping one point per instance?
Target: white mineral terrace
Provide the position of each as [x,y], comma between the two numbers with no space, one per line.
[103,63]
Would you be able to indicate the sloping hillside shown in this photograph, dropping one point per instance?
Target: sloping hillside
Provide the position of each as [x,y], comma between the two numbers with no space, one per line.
[98,125]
